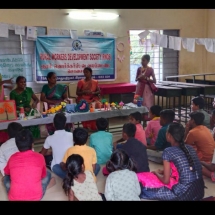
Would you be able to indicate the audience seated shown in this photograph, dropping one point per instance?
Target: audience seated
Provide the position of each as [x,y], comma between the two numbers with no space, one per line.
[122,182]
[102,141]
[79,184]
[153,126]
[9,147]
[26,176]
[155,152]
[140,135]
[134,148]
[80,136]
[181,178]
[197,104]
[59,142]
[200,137]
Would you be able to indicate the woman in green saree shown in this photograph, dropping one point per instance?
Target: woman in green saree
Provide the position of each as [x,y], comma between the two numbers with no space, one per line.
[23,96]
[53,94]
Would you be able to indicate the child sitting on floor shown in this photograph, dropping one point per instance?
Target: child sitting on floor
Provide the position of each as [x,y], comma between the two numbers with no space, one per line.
[122,182]
[155,151]
[135,118]
[26,177]
[102,141]
[153,126]
[79,183]
[9,147]
[80,136]
[134,148]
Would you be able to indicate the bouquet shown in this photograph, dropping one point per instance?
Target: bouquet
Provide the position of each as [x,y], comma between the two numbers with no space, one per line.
[137,98]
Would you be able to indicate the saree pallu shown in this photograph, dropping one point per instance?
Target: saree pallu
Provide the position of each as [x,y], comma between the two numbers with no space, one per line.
[143,89]
[55,94]
[91,85]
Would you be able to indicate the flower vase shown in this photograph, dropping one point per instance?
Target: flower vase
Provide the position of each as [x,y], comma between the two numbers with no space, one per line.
[139,103]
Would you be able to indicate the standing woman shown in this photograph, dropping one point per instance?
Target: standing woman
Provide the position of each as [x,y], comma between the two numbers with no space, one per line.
[23,96]
[88,90]
[53,94]
[145,74]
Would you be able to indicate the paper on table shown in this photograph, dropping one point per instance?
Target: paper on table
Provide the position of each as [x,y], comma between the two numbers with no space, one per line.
[20,30]
[4,30]
[171,42]
[177,43]
[191,44]
[74,34]
[143,34]
[184,43]
[162,41]
[31,33]
[200,41]
[209,46]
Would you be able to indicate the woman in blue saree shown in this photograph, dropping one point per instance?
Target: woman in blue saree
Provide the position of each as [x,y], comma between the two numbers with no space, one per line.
[53,94]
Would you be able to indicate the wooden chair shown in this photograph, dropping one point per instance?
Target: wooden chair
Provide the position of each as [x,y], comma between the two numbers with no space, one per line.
[72,91]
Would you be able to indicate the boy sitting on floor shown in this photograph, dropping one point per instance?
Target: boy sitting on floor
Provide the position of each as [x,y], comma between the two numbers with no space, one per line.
[155,151]
[80,136]
[200,137]
[134,118]
[197,104]
[134,148]
[102,141]
[9,147]
[26,177]
[59,142]
[153,126]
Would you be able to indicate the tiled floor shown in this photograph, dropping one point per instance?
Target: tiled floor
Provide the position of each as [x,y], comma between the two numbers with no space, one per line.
[56,192]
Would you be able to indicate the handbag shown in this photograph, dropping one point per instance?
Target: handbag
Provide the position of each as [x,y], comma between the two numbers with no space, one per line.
[154,89]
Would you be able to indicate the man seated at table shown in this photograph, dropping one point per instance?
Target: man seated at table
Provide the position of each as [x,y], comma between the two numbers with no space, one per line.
[199,137]
[197,104]
[155,151]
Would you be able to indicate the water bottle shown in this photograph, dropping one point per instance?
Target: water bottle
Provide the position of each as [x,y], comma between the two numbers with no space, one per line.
[21,113]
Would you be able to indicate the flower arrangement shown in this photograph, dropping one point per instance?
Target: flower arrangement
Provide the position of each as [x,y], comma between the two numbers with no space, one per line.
[121,104]
[57,108]
[137,98]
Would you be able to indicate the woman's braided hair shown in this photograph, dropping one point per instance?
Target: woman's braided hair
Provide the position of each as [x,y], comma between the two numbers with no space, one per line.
[177,131]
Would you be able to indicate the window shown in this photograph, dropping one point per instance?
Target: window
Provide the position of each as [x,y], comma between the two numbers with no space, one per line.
[164,61]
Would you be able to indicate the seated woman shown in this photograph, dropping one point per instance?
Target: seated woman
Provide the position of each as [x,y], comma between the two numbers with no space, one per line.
[88,90]
[53,94]
[23,96]
[181,179]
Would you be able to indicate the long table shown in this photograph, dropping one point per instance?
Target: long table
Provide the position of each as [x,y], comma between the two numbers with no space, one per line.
[118,91]
[78,117]
[205,89]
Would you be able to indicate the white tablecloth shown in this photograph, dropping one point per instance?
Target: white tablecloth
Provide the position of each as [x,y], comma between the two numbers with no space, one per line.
[78,117]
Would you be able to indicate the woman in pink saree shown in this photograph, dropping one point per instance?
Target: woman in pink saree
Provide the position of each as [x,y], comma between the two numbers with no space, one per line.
[145,74]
